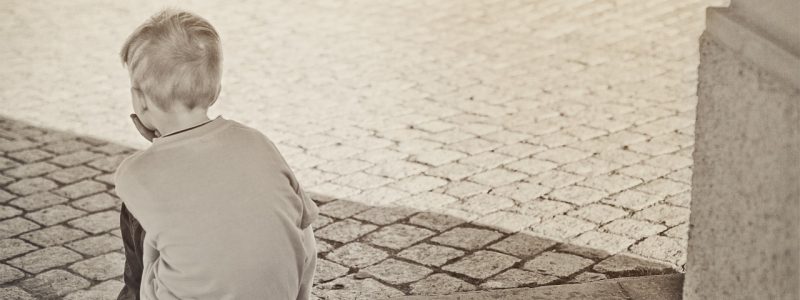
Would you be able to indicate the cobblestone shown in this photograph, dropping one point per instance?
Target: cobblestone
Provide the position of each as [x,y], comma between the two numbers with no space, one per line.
[39,260]
[557,264]
[516,278]
[54,283]
[482,264]
[440,284]
[467,238]
[51,236]
[397,272]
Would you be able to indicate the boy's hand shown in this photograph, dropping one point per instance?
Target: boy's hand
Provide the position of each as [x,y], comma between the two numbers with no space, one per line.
[146,133]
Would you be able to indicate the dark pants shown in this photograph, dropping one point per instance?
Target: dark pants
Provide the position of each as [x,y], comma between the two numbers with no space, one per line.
[133,240]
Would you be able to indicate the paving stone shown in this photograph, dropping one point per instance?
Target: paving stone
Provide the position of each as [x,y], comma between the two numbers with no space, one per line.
[9,274]
[682,175]
[101,267]
[438,157]
[582,251]
[542,208]
[108,289]
[73,174]
[555,179]
[608,242]
[633,200]
[54,214]
[497,177]
[635,229]
[397,169]
[561,228]
[384,215]
[97,202]
[464,189]
[562,155]
[520,149]
[522,245]
[96,245]
[417,184]
[40,260]
[435,221]
[483,204]
[380,155]
[15,226]
[482,264]
[31,170]
[380,196]
[453,171]
[663,187]
[347,288]
[430,255]
[80,189]
[521,191]
[342,209]
[506,221]
[327,271]
[38,200]
[628,265]
[8,212]
[15,293]
[611,183]
[557,264]
[577,195]
[29,186]
[54,235]
[61,147]
[361,180]
[397,236]
[6,163]
[665,214]
[598,213]
[345,230]
[588,277]
[473,146]
[106,178]
[97,222]
[397,272]
[590,167]
[5,180]
[516,278]
[662,248]
[14,247]
[531,166]
[679,232]
[76,158]
[467,238]
[644,172]
[54,283]
[357,255]
[16,145]
[440,284]
[623,157]
[487,160]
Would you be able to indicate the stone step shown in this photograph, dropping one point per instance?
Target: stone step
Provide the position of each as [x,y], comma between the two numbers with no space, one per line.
[666,287]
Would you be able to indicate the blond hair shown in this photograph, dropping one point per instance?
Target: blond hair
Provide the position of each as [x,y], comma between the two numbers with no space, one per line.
[175,56]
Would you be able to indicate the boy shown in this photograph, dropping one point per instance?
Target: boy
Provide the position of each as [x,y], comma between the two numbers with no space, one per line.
[222,215]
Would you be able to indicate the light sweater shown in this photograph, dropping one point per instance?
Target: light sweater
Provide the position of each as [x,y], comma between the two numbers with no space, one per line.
[224,216]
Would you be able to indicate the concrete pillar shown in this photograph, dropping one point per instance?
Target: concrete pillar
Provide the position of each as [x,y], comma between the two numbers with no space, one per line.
[744,238]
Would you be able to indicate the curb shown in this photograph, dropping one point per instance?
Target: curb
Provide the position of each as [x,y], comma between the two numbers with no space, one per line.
[666,287]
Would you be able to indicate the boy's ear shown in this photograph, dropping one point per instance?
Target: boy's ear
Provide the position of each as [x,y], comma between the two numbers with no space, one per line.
[216,96]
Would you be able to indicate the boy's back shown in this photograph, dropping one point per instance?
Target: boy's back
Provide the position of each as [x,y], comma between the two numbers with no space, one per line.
[224,215]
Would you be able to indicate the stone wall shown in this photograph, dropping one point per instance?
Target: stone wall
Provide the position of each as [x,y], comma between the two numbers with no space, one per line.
[745,218]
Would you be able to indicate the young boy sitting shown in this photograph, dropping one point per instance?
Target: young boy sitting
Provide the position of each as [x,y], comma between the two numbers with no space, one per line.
[222,213]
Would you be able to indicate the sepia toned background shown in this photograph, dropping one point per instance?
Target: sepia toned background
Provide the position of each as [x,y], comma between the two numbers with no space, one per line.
[562,124]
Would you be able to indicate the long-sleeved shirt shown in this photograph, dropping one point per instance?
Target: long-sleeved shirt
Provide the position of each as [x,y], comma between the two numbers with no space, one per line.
[224,216]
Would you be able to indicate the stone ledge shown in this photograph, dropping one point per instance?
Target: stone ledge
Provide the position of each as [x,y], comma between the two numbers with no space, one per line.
[753,44]
[667,287]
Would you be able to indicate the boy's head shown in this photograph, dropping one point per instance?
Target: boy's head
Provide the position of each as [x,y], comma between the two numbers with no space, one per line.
[175,62]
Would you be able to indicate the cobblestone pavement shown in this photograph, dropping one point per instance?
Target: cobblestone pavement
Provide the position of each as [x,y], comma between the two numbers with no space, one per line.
[59,235]
[570,120]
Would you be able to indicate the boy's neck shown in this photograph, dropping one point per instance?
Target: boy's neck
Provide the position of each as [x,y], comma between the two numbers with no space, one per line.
[181,120]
